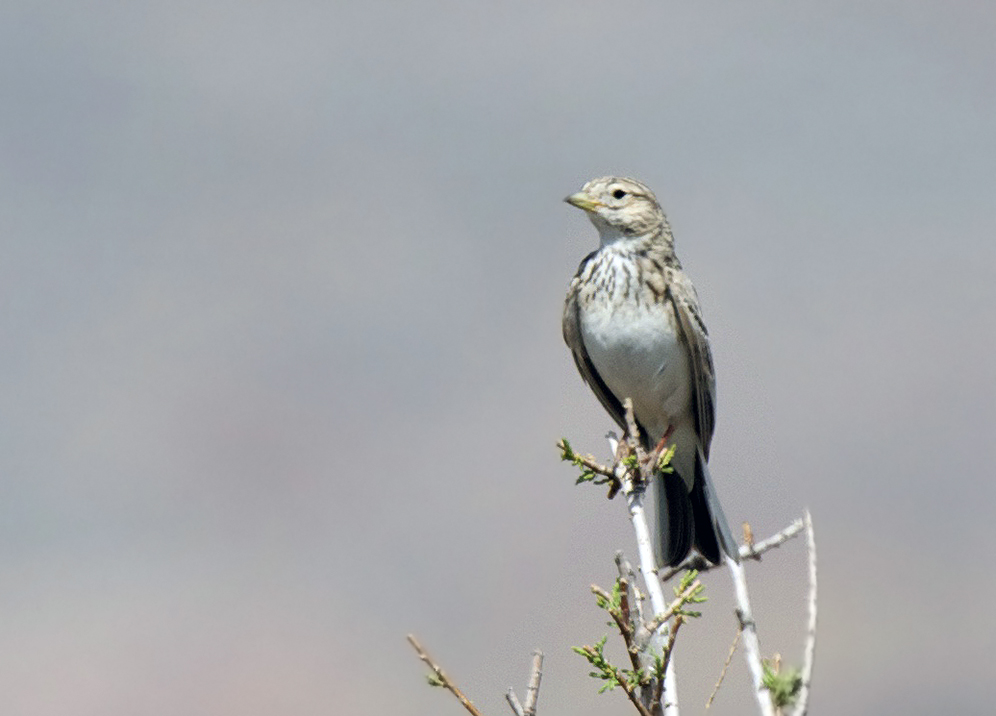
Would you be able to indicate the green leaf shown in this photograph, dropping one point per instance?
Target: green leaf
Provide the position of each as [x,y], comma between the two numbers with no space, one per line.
[664,461]
[783,686]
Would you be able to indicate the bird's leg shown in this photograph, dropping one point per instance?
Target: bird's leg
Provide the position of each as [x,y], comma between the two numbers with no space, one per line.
[649,461]
[663,442]
[661,446]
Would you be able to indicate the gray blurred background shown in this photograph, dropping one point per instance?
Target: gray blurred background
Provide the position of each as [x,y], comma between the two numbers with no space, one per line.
[281,369]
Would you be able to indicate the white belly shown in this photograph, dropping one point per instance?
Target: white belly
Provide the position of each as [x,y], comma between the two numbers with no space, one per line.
[638,354]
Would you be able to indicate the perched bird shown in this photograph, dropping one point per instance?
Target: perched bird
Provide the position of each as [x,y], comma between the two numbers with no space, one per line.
[633,323]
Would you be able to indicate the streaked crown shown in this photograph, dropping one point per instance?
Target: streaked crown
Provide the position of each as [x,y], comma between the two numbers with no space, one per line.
[620,207]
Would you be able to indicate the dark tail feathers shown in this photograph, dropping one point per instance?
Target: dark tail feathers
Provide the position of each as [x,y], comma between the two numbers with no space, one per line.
[686,519]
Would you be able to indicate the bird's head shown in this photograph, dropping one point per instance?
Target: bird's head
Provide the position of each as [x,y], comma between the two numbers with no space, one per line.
[620,208]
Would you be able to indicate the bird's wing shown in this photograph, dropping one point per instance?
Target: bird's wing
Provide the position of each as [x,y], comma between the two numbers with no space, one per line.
[696,338]
[574,340]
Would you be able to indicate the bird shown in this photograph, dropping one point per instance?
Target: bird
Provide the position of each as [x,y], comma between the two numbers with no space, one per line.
[634,327]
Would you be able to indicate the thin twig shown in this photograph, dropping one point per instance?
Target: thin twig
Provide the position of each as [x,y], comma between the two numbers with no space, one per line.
[671,636]
[441,678]
[589,462]
[676,605]
[726,665]
[618,677]
[631,693]
[802,703]
[624,609]
[699,564]
[609,475]
[624,626]
[513,701]
[658,695]
[775,540]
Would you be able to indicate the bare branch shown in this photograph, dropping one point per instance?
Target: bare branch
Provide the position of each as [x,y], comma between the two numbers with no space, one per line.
[535,676]
[626,573]
[532,690]
[752,647]
[802,704]
[441,678]
[726,666]
[776,540]
[699,564]
[513,701]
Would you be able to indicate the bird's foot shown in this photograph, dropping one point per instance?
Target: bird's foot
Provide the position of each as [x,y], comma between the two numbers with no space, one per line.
[660,451]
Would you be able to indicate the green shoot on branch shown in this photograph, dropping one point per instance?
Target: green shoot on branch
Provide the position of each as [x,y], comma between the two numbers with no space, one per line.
[783,685]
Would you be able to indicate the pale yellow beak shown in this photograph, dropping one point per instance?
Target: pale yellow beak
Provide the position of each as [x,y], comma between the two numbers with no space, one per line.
[583,201]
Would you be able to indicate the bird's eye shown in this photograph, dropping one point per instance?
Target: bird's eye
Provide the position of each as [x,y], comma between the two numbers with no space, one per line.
[619,193]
